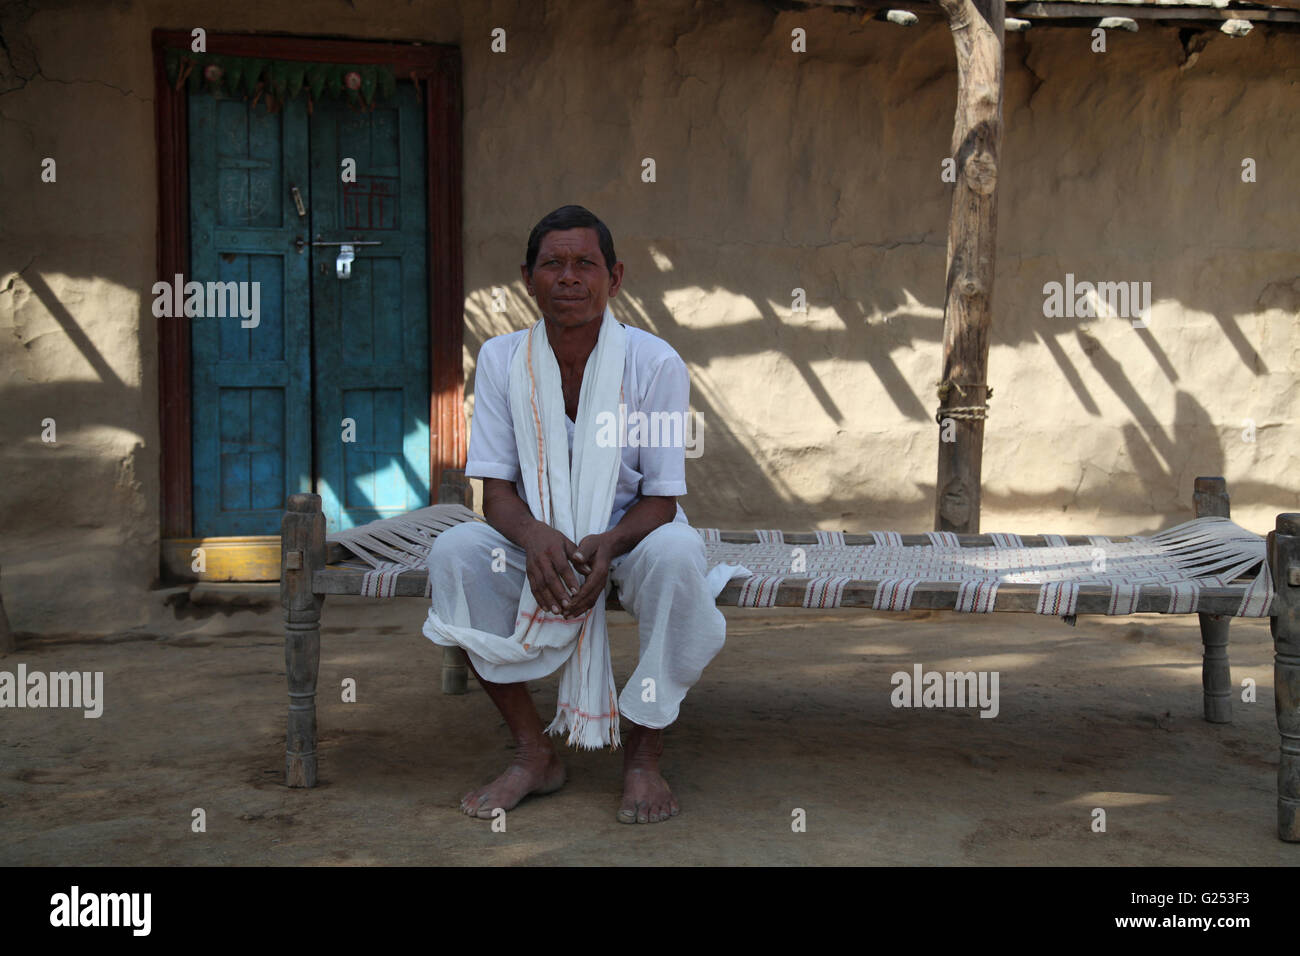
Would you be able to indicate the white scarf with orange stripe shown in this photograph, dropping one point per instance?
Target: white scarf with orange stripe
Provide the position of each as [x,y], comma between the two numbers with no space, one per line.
[576,500]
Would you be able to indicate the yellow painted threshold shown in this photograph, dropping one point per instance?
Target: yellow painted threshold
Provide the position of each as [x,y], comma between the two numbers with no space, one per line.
[236,558]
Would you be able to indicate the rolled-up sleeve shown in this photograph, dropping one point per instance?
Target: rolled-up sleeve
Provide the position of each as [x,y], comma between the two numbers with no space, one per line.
[663,462]
[492,450]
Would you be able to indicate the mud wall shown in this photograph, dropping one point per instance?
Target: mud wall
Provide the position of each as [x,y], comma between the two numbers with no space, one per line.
[774,170]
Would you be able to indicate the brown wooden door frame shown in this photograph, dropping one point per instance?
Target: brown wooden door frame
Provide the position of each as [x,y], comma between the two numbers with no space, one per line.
[435,69]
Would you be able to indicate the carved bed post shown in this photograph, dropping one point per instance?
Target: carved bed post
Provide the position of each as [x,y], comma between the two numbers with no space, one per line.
[302,552]
[1211,499]
[1284,561]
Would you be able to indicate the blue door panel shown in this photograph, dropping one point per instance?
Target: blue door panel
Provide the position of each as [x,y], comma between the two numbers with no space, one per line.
[252,448]
[375,462]
[269,402]
[251,387]
[372,345]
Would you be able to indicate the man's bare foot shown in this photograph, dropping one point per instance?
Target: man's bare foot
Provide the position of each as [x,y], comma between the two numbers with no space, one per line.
[646,795]
[537,773]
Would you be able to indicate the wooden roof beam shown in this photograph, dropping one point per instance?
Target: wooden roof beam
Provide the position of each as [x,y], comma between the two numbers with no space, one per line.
[1059,14]
[1147,11]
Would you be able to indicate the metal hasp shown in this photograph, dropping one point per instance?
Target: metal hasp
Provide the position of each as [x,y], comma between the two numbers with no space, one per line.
[347,253]
[343,264]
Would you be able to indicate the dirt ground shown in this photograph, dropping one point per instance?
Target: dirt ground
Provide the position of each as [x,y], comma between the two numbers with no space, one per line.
[795,713]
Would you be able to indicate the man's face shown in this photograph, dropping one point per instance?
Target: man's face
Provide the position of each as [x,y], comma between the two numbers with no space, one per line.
[569,280]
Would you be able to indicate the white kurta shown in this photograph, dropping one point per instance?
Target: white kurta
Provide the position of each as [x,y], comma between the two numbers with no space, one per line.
[654,380]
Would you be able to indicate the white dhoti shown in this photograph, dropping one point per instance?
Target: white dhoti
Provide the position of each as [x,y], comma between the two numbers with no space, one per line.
[664,582]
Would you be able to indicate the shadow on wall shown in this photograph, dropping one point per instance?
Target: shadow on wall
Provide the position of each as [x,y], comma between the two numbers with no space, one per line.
[1083,220]
[744,486]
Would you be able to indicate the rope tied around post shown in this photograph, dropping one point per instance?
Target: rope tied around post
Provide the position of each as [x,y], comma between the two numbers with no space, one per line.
[961,412]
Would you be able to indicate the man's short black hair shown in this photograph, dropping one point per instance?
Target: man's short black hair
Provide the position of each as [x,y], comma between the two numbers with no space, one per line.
[571,217]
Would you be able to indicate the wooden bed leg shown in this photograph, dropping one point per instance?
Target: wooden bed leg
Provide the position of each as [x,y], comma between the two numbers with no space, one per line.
[455,670]
[302,552]
[1211,498]
[1284,561]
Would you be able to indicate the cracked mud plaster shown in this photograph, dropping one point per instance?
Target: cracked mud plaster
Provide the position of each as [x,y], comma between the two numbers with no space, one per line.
[17,52]
[19,63]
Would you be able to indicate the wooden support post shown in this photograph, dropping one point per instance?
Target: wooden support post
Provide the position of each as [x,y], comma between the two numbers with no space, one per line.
[1210,496]
[1284,561]
[977,29]
[302,552]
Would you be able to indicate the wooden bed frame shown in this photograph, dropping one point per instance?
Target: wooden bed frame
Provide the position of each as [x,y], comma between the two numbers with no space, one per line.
[307,575]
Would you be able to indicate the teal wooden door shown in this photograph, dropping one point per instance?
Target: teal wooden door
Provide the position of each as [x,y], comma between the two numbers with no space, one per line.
[329,392]
[251,395]
[371,362]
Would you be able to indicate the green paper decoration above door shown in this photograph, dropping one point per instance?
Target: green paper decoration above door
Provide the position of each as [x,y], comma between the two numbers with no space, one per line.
[276,81]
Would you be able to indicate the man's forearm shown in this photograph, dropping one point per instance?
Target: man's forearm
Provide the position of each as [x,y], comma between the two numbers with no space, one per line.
[507,512]
[510,515]
[648,513]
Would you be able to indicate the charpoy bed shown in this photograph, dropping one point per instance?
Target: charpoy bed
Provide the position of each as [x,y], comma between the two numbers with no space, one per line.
[1209,566]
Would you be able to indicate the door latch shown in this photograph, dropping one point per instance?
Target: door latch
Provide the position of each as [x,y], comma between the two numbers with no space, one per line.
[347,254]
[343,264]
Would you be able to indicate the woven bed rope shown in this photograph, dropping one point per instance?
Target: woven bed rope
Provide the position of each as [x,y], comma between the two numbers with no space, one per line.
[404,539]
[390,547]
[893,595]
[1203,553]
[382,582]
[1060,598]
